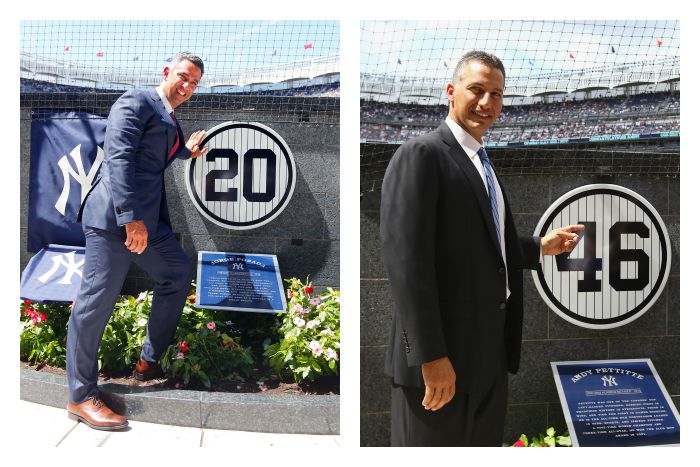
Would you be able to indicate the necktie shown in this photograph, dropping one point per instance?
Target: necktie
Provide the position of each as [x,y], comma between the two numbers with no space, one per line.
[491,190]
[177,136]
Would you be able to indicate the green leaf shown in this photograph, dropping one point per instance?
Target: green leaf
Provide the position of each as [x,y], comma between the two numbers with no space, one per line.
[550,431]
[564,441]
[204,379]
[523,438]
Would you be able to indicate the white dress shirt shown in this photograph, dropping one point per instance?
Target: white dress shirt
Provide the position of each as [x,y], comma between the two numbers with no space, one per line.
[166,102]
[471,147]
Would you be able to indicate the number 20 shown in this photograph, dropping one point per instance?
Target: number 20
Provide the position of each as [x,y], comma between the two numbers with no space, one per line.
[231,194]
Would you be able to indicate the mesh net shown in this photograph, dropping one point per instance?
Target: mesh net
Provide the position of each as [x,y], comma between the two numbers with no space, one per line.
[581,97]
[285,69]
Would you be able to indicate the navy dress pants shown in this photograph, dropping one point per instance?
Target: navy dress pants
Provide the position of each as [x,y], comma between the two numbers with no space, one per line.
[107,261]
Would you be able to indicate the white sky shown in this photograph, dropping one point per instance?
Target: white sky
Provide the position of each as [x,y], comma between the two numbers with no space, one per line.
[432,48]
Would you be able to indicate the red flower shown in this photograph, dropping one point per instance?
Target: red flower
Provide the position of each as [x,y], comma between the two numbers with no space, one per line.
[192,298]
[184,346]
[308,290]
[290,293]
[28,302]
[233,344]
[519,444]
[42,317]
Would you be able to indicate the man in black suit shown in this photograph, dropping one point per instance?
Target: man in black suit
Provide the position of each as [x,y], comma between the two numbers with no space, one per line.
[454,261]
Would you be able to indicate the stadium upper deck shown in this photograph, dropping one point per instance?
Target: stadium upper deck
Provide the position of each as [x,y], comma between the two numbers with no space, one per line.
[317,77]
[632,115]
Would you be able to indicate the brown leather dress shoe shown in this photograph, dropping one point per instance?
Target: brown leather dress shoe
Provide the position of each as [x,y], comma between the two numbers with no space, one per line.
[146,370]
[95,414]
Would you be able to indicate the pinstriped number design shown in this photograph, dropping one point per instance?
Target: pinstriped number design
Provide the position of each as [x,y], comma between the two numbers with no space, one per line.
[619,267]
[246,179]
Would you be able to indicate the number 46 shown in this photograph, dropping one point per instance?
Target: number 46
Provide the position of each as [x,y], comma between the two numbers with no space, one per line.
[590,263]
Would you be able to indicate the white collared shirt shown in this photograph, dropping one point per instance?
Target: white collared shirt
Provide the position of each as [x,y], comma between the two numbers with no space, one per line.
[166,103]
[471,147]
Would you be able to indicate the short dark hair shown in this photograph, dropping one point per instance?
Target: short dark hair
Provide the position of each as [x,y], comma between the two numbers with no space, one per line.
[480,56]
[180,56]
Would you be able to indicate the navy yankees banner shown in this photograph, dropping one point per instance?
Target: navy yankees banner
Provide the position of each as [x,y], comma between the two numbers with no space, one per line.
[53,274]
[66,155]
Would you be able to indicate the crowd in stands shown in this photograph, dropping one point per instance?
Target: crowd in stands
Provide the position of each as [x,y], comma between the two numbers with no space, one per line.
[29,85]
[319,90]
[638,114]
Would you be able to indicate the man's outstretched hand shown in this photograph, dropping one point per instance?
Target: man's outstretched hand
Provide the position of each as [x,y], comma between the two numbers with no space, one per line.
[561,240]
[439,378]
[193,144]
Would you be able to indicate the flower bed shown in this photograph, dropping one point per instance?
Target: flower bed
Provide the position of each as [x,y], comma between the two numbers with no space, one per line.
[220,351]
[548,441]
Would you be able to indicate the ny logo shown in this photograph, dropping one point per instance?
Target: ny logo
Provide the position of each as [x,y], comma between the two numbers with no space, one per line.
[84,180]
[68,261]
[237,266]
[609,381]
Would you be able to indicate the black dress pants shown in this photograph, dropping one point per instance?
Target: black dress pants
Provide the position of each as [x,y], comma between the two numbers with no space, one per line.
[467,420]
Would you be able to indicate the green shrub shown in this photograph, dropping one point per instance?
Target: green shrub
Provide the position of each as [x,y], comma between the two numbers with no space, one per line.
[125,333]
[43,332]
[207,355]
[310,331]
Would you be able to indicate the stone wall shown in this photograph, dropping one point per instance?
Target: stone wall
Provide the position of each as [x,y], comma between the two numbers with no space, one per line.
[305,237]
[533,400]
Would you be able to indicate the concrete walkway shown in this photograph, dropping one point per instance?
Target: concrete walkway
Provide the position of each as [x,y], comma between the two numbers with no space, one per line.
[58,430]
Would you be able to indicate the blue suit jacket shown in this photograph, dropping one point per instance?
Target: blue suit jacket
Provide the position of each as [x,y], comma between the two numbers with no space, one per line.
[129,186]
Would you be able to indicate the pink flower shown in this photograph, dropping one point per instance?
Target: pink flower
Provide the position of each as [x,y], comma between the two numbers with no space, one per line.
[316,348]
[180,356]
[331,354]
[315,301]
[211,325]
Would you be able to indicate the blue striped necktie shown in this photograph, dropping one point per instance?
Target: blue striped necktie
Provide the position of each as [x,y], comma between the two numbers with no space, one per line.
[491,190]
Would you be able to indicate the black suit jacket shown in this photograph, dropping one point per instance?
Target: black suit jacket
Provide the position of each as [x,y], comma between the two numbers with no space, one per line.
[447,276]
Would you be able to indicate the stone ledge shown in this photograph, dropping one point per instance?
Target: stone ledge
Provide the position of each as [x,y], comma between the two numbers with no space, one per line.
[318,415]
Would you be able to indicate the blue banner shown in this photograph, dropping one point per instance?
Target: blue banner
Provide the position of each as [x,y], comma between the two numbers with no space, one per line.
[66,154]
[53,274]
[616,403]
[239,282]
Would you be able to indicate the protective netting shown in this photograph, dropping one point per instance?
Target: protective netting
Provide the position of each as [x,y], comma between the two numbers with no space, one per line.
[574,90]
[286,69]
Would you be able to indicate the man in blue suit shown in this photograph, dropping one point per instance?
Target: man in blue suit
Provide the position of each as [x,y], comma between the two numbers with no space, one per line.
[125,218]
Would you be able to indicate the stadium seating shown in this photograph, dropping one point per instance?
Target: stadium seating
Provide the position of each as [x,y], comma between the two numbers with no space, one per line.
[636,114]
